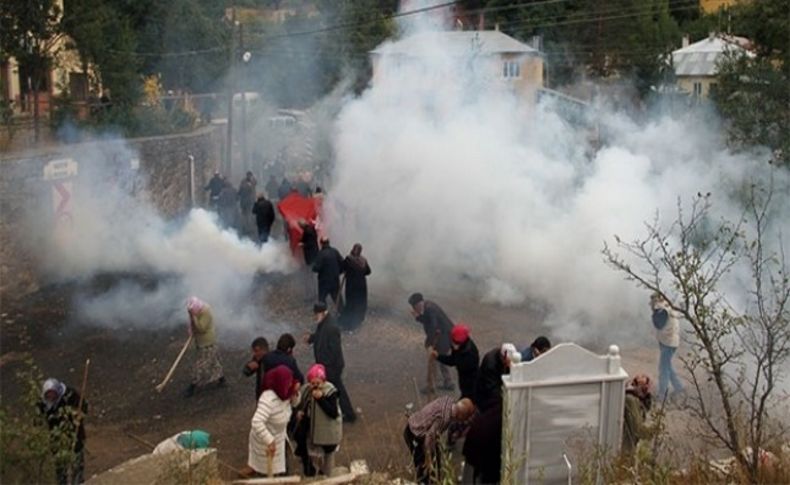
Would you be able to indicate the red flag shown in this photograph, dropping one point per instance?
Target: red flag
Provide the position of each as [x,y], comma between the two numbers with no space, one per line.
[295,208]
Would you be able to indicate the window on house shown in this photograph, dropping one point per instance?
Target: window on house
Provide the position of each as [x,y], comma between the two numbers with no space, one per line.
[511,69]
[697,90]
[78,86]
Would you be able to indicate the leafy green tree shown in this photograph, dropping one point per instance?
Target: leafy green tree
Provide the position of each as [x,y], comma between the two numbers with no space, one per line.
[30,32]
[620,37]
[752,92]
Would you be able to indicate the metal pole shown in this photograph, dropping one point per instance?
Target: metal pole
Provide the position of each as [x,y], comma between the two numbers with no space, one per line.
[243,88]
[231,89]
[191,181]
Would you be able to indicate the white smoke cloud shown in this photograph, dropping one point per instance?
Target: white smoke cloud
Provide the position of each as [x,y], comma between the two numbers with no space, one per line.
[114,229]
[446,176]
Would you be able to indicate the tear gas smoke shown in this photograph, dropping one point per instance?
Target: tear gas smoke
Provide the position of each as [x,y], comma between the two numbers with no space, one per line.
[114,231]
[446,175]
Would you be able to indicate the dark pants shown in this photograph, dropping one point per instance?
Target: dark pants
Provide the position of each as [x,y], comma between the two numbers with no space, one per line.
[263,233]
[72,473]
[417,449]
[345,402]
[328,290]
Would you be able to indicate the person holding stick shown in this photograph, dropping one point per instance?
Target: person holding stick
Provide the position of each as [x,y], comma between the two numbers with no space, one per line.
[268,428]
[437,326]
[62,407]
[207,369]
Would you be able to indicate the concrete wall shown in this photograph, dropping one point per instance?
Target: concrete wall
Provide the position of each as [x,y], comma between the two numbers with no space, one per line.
[156,169]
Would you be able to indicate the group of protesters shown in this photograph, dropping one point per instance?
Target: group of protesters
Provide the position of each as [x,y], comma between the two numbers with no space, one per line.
[310,410]
[473,418]
[239,208]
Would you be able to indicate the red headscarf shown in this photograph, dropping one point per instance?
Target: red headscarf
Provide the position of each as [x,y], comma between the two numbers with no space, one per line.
[281,381]
[459,334]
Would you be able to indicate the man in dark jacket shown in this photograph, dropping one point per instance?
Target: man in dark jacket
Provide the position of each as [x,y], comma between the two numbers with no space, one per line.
[538,347]
[437,326]
[214,186]
[228,211]
[329,265]
[271,187]
[464,357]
[283,355]
[260,347]
[264,218]
[60,406]
[328,351]
[284,189]
[483,446]
[494,365]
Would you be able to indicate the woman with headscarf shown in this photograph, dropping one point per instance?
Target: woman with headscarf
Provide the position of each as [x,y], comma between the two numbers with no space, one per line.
[319,422]
[638,401]
[59,405]
[208,369]
[267,433]
[356,269]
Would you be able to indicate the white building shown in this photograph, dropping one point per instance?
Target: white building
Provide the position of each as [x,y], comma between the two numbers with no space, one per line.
[696,65]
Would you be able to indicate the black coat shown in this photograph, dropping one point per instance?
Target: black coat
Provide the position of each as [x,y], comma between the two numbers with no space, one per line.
[64,415]
[271,188]
[489,379]
[329,265]
[284,190]
[437,326]
[278,357]
[309,244]
[327,347]
[247,194]
[356,292]
[264,213]
[466,360]
[483,445]
[215,186]
[258,373]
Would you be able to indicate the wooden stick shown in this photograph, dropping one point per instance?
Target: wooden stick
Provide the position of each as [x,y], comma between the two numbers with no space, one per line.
[79,416]
[162,384]
[269,465]
[270,481]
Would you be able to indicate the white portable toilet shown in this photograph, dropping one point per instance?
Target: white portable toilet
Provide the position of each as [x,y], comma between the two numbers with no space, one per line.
[566,396]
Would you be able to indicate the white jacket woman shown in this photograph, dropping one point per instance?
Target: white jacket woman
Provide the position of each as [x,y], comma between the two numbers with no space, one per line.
[267,433]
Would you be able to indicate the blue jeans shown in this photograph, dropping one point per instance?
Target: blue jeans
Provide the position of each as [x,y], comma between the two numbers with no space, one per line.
[666,372]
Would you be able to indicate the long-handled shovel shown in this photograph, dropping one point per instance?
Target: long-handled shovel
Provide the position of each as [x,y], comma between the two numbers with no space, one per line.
[164,382]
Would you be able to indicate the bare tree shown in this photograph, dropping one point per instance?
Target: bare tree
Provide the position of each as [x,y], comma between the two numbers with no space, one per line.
[740,349]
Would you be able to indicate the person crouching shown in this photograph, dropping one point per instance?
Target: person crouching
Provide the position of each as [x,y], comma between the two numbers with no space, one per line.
[425,428]
[319,422]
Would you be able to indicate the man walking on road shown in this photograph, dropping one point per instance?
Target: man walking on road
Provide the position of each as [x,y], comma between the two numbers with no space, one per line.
[328,351]
[329,265]
[437,326]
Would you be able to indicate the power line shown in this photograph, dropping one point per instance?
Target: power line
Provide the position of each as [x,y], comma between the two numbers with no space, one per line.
[360,24]
[635,11]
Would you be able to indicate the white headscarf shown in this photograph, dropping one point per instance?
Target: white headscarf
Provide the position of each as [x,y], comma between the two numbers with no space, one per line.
[52,384]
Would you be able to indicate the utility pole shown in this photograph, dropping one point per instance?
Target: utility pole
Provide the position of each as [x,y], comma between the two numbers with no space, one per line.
[244,155]
[231,92]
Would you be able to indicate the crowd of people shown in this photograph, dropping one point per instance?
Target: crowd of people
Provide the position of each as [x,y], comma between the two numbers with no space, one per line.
[248,211]
[311,410]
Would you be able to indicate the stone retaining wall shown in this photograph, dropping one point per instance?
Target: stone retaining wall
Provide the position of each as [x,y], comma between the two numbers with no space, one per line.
[156,168]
